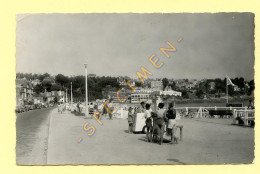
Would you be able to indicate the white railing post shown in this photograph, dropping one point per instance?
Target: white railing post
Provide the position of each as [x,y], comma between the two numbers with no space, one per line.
[234,116]
[246,118]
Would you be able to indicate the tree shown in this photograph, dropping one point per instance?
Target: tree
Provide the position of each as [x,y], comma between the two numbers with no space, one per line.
[55,100]
[240,82]
[56,87]
[38,89]
[220,85]
[251,87]
[46,84]
[138,84]
[199,93]
[185,94]
[173,85]
[165,82]
[61,79]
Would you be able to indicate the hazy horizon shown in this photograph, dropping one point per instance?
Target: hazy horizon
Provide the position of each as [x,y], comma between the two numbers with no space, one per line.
[213,45]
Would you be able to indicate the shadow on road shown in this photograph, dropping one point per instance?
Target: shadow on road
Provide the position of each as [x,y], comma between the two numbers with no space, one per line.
[176,160]
[226,124]
[214,122]
[144,139]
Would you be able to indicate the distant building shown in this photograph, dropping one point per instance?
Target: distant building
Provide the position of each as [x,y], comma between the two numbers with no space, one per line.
[186,84]
[61,96]
[113,96]
[138,97]
[92,75]
[181,84]
[24,91]
[156,85]
[212,85]
[36,82]
[38,100]
[236,88]
[123,80]
[51,79]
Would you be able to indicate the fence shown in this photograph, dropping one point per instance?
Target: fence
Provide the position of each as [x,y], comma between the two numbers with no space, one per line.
[245,115]
[202,112]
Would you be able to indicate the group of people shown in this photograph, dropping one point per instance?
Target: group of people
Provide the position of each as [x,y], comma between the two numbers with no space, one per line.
[157,122]
[108,109]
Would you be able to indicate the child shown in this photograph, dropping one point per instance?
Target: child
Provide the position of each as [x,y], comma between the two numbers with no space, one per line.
[148,122]
[147,113]
[130,120]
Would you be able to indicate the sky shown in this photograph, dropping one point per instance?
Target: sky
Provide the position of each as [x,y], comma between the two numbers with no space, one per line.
[214,44]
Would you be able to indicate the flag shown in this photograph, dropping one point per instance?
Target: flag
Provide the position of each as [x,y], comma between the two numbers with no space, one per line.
[229,82]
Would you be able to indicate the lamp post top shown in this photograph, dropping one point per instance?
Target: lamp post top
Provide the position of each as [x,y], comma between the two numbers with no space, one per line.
[85,65]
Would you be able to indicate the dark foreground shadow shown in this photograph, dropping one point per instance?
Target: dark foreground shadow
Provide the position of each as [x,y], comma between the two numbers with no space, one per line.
[77,113]
[176,160]
[225,124]
[156,142]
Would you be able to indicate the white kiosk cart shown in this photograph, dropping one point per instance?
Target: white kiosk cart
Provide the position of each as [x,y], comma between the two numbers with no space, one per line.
[157,97]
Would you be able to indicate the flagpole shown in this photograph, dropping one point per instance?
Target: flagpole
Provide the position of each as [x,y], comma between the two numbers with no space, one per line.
[227,89]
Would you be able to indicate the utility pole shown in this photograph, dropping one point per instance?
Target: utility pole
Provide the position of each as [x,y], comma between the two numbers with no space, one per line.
[66,100]
[86,74]
[227,88]
[71,100]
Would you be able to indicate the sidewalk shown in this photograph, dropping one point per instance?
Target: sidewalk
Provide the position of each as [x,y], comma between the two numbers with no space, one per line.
[206,141]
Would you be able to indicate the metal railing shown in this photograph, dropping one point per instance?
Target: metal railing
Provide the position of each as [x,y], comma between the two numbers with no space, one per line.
[201,112]
[246,115]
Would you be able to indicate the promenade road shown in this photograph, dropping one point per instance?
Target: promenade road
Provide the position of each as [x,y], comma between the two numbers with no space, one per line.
[32,129]
[206,141]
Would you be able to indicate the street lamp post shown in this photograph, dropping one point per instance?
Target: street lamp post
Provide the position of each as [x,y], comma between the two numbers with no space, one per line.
[71,100]
[66,99]
[86,73]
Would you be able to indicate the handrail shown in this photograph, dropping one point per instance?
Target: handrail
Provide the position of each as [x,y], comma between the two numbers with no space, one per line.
[211,107]
[244,115]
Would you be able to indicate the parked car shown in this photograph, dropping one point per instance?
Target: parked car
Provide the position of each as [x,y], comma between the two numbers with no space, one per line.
[19,109]
[32,107]
[29,107]
[38,106]
[26,108]
[91,111]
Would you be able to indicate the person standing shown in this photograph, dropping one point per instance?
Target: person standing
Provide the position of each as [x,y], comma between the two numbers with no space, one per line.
[111,109]
[159,122]
[172,124]
[130,120]
[78,106]
[59,107]
[148,122]
[104,109]
[141,109]
[251,105]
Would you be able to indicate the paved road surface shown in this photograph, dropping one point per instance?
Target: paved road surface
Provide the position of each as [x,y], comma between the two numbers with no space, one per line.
[32,136]
[206,141]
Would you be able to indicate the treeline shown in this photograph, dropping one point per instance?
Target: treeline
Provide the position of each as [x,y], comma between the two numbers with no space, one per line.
[204,87]
[97,86]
